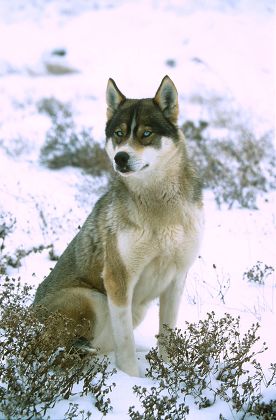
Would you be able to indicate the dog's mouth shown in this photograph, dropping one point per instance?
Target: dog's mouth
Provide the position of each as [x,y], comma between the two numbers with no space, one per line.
[124,170]
[127,170]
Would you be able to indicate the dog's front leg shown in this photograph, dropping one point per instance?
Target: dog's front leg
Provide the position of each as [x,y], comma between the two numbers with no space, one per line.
[169,305]
[119,290]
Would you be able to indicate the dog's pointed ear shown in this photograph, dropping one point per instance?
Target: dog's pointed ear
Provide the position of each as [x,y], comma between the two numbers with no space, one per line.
[166,98]
[113,98]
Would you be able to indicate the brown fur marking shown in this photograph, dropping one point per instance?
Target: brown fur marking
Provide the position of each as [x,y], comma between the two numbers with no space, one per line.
[115,274]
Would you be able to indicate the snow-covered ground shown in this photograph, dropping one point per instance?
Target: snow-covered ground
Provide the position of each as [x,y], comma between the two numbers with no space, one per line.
[221,56]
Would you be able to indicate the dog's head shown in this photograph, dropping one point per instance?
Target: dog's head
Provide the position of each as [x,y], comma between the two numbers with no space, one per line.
[141,133]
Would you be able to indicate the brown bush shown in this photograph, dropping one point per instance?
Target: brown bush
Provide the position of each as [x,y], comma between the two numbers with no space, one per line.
[65,145]
[38,363]
[237,168]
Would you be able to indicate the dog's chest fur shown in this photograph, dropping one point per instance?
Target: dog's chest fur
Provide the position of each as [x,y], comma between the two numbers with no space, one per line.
[159,251]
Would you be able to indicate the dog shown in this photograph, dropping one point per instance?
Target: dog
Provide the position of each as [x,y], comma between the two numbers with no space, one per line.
[142,235]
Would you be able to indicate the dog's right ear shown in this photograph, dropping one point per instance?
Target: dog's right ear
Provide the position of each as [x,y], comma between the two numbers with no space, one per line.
[113,98]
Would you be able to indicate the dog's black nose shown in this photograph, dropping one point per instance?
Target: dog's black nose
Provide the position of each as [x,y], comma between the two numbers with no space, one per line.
[121,159]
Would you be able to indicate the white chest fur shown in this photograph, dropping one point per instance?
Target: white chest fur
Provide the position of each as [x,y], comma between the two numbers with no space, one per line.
[154,257]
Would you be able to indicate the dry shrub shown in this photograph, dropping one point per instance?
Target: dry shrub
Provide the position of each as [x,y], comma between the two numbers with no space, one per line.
[66,145]
[237,168]
[208,361]
[258,273]
[38,363]
[54,108]
[7,224]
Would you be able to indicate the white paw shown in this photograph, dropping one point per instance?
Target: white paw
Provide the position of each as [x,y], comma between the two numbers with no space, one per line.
[129,368]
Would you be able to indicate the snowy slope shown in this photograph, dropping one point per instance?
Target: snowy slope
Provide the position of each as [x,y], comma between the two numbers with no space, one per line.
[220,57]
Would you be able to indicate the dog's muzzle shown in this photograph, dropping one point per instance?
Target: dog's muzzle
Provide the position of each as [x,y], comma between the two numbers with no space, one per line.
[122,162]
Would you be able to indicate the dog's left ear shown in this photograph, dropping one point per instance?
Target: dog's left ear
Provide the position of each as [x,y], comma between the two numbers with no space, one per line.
[113,98]
[166,98]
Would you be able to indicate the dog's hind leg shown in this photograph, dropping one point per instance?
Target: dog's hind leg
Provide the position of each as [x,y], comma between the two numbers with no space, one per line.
[76,304]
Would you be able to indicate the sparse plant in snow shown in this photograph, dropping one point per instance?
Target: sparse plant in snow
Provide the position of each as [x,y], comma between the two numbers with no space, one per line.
[15,260]
[74,412]
[258,273]
[208,361]
[237,168]
[38,363]
[158,403]
[54,108]
[7,223]
[66,145]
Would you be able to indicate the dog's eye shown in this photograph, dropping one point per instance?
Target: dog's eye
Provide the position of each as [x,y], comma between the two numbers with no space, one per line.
[119,133]
[147,133]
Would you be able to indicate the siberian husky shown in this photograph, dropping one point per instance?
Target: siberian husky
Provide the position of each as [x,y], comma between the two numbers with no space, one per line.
[142,235]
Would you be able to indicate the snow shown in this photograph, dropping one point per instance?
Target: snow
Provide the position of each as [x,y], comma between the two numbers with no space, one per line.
[221,57]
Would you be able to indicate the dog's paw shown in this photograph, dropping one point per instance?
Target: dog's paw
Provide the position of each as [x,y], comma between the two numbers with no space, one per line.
[130,369]
[83,346]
